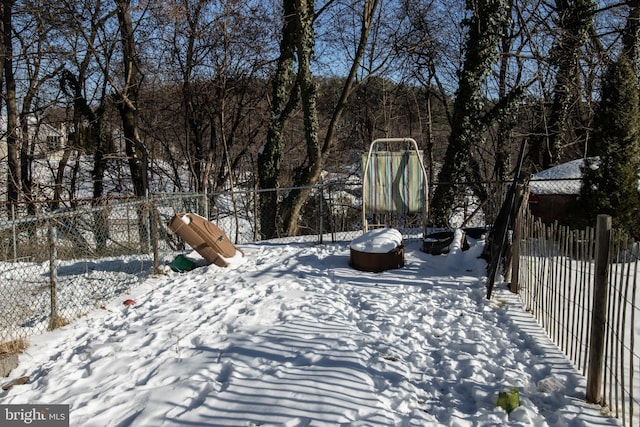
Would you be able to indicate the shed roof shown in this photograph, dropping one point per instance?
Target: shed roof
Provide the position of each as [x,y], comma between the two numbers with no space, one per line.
[561,179]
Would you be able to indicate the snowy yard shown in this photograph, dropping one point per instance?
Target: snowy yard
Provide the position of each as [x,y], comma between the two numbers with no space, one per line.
[292,336]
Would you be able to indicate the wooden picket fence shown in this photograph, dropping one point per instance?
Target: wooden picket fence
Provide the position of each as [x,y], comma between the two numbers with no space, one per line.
[582,287]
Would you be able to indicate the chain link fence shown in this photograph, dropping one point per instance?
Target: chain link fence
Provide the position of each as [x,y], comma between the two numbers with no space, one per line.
[58,264]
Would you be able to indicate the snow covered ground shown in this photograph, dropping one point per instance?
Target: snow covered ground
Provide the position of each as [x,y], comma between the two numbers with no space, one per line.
[292,336]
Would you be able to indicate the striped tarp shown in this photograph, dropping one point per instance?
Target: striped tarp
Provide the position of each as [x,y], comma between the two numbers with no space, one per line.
[394,182]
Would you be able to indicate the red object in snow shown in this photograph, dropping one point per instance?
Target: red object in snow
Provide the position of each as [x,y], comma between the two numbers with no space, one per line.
[129,302]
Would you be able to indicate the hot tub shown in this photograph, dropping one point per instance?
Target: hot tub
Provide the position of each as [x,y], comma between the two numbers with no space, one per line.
[377,250]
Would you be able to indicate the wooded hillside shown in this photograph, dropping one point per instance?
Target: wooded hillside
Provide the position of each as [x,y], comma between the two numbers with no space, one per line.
[286,89]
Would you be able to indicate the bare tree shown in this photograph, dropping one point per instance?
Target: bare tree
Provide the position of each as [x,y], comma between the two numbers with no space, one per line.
[218,52]
[486,26]
[285,96]
[127,96]
[426,54]
[13,149]
[573,20]
[84,83]
[190,49]
[41,65]
[294,86]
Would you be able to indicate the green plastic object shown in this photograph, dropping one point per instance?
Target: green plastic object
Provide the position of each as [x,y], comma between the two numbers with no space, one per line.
[181,264]
[509,400]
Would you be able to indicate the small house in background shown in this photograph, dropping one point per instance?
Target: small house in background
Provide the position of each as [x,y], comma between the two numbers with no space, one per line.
[45,140]
[551,191]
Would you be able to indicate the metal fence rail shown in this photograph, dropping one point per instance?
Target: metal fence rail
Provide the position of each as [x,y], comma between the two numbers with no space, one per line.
[56,264]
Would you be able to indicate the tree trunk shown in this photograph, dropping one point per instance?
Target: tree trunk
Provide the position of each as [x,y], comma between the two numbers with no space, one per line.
[486,26]
[195,114]
[285,96]
[309,174]
[101,217]
[27,146]
[306,173]
[128,106]
[575,19]
[502,166]
[128,102]
[13,149]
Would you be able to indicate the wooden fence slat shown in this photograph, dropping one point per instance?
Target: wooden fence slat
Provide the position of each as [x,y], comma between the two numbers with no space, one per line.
[625,278]
[564,326]
[550,265]
[575,339]
[591,250]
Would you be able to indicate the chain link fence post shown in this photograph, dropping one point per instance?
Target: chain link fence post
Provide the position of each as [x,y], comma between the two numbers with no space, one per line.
[205,204]
[154,236]
[13,232]
[53,276]
[320,211]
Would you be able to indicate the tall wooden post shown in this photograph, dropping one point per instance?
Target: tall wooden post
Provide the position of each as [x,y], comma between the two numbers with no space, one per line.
[515,244]
[599,312]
